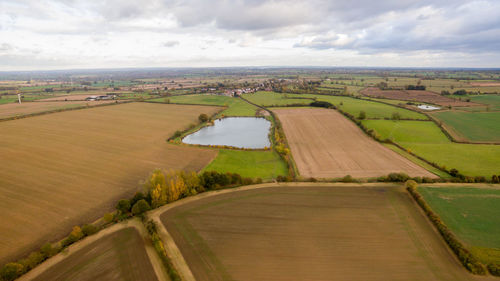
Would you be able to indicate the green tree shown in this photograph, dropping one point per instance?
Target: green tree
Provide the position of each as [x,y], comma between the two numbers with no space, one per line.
[203,117]
[362,115]
[11,271]
[396,116]
[123,206]
[140,207]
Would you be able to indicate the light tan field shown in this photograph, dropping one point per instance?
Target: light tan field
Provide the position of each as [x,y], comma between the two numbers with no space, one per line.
[311,232]
[15,109]
[325,144]
[63,169]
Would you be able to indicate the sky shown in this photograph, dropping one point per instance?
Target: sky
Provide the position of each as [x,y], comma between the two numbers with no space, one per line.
[84,34]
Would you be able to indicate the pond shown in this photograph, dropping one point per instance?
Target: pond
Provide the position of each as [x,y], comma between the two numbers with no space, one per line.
[241,132]
[428,107]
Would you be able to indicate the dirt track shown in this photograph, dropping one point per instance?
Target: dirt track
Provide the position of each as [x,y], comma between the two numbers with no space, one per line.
[325,144]
[310,232]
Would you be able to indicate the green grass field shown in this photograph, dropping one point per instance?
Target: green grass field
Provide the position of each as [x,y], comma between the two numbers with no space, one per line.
[492,100]
[351,105]
[255,164]
[236,106]
[472,213]
[472,126]
[426,140]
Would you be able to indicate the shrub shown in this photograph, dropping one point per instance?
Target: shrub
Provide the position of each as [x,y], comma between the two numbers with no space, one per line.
[324,104]
[397,177]
[281,178]
[203,118]
[137,196]
[123,206]
[11,271]
[47,250]
[494,269]
[34,259]
[177,134]
[140,207]
[347,178]
[495,179]
[362,115]
[396,116]
[89,229]
[108,217]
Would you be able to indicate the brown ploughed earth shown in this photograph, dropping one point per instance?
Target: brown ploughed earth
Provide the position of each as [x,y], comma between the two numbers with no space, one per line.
[311,232]
[69,168]
[325,144]
[120,255]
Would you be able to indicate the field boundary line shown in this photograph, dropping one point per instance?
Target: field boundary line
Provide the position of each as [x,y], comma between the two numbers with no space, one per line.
[66,253]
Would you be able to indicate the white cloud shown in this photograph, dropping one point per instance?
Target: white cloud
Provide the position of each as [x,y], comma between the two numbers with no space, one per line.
[47,34]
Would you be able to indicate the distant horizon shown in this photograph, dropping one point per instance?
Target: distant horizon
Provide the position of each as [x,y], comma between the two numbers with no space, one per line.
[145,68]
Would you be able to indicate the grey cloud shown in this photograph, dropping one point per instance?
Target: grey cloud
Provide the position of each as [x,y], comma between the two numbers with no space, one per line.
[169,44]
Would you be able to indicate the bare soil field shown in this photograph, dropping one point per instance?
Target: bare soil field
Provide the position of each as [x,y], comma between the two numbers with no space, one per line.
[69,168]
[120,255]
[485,84]
[410,95]
[310,232]
[70,97]
[14,109]
[325,144]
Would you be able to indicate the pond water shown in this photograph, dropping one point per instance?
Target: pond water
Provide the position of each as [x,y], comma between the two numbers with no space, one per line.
[428,107]
[241,132]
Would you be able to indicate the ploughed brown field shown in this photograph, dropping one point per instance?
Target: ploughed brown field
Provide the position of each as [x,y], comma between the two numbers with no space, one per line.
[120,255]
[412,95]
[69,168]
[325,144]
[15,109]
[311,232]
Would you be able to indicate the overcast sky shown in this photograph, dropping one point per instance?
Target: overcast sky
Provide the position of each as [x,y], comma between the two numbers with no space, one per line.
[62,34]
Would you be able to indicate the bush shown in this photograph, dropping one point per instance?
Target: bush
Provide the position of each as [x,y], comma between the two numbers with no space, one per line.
[34,259]
[177,134]
[396,116]
[11,271]
[397,177]
[140,207]
[123,206]
[203,118]
[108,217]
[347,178]
[495,179]
[494,269]
[137,196]
[89,229]
[324,104]
[362,115]
[47,250]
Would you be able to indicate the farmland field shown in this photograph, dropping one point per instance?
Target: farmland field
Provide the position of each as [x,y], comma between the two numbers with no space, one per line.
[471,126]
[426,140]
[69,168]
[118,256]
[255,164]
[236,106]
[310,232]
[347,104]
[421,96]
[325,144]
[471,212]
[15,109]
